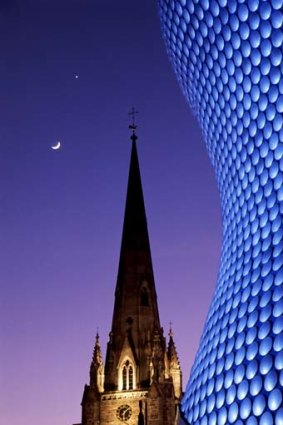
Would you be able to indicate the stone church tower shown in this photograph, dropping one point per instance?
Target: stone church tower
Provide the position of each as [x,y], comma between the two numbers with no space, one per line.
[141,382]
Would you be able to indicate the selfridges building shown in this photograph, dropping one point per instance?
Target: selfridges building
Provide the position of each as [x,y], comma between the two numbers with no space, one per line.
[227,56]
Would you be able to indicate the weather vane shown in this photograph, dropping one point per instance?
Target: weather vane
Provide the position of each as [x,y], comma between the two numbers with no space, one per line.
[133,114]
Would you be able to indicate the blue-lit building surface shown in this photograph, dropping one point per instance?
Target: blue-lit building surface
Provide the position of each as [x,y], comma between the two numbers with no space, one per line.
[227,56]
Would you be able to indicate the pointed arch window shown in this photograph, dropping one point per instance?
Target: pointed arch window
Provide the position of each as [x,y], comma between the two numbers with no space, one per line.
[124,378]
[127,381]
[131,378]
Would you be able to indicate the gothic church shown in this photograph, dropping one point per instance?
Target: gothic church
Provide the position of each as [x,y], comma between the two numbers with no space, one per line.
[141,382]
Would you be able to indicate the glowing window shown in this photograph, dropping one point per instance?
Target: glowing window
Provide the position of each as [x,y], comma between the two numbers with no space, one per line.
[124,378]
[131,378]
[128,378]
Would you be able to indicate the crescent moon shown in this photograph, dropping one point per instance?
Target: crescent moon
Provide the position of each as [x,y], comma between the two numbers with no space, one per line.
[57,146]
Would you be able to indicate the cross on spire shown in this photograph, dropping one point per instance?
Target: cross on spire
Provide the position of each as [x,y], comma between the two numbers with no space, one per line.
[133,126]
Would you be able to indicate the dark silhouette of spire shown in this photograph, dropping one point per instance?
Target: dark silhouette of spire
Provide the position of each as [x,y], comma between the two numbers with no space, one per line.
[135,311]
[135,234]
[137,356]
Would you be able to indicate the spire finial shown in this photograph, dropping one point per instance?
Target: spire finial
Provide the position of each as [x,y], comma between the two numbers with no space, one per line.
[133,126]
[170,329]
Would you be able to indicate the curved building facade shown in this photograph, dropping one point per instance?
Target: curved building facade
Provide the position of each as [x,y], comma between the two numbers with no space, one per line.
[227,56]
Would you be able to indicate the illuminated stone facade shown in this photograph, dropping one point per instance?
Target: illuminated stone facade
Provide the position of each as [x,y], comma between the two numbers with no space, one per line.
[141,383]
[227,55]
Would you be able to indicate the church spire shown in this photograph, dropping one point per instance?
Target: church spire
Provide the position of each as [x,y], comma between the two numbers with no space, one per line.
[140,387]
[135,316]
[135,247]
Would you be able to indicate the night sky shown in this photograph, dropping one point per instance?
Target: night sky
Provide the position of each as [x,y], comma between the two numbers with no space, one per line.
[61,212]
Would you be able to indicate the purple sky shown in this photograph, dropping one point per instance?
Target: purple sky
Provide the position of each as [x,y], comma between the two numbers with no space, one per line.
[61,212]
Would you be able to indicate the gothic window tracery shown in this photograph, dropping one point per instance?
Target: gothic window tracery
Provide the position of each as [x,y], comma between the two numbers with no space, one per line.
[131,378]
[124,377]
[128,377]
